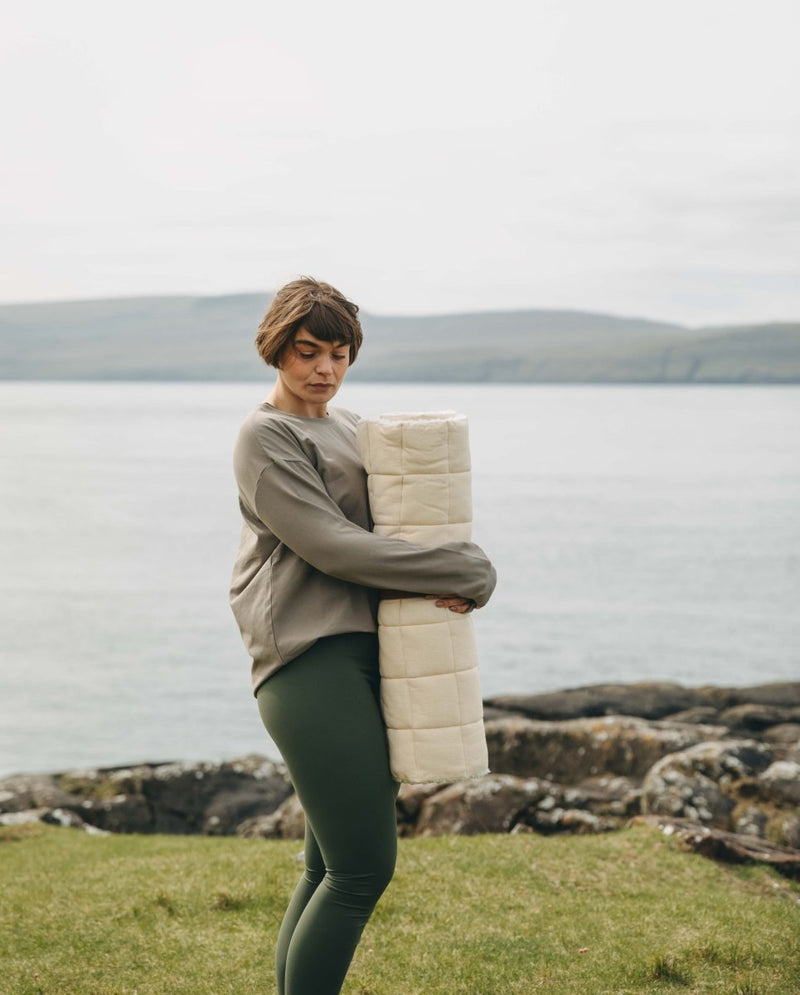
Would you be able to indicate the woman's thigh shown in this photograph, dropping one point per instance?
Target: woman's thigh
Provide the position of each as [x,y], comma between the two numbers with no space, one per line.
[323,713]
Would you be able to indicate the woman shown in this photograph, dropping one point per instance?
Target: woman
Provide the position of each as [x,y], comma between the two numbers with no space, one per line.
[304,592]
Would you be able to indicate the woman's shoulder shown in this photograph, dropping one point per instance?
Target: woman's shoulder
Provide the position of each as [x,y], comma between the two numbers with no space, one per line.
[345,417]
[269,432]
[277,435]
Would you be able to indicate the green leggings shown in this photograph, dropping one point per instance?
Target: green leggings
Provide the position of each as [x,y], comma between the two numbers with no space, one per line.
[322,711]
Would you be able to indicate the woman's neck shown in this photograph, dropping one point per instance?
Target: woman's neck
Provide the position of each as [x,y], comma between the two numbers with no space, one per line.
[282,399]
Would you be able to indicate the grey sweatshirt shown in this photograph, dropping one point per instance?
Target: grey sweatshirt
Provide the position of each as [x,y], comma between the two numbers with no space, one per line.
[308,565]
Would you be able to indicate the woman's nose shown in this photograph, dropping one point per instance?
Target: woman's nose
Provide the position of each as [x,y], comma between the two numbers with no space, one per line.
[324,363]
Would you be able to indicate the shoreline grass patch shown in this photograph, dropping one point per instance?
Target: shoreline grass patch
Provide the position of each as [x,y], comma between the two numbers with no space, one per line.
[615,914]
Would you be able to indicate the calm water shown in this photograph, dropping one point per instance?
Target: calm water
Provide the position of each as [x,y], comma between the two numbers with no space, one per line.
[638,532]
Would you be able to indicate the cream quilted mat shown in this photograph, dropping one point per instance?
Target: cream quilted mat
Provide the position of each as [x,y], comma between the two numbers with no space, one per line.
[418,469]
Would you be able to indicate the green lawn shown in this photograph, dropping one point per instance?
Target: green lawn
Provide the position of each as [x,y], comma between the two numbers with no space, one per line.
[492,915]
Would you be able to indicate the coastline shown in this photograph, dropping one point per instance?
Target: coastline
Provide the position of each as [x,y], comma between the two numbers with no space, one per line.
[719,766]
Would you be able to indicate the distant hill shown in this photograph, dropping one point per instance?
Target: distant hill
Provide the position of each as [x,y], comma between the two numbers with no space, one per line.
[211,338]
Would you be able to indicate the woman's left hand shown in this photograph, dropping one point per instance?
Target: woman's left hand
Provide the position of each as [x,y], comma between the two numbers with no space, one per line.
[453,602]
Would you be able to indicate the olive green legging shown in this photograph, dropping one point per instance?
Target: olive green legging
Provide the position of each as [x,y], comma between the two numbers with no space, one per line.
[322,711]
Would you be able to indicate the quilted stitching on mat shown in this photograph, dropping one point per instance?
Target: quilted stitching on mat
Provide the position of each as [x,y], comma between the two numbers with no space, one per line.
[420,490]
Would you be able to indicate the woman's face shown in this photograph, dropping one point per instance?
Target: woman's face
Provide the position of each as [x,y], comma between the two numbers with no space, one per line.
[311,371]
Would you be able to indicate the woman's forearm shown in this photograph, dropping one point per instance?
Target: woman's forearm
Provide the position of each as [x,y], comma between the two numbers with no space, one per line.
[292,502]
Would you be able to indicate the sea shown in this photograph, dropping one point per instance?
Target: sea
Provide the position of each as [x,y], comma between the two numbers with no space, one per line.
[639,533]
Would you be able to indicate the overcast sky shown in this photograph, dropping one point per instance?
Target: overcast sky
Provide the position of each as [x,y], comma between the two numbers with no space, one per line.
[639,157]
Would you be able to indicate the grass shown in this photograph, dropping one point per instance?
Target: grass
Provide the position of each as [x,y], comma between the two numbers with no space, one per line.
[494,915]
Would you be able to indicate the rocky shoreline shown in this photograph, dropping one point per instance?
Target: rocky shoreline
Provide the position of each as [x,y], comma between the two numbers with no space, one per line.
[718,767]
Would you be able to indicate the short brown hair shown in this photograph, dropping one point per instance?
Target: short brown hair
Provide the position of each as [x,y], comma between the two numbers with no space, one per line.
[315,306]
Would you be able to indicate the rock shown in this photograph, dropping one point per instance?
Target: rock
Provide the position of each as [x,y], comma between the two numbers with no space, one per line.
[570,820]
[650,700]
[491,804]
[697,784]
[782,693]
[755,717]
[209,798]
[614,796]
[572,751]
[22,817]
[784,732]
[502,803]
[214,798]
[228,809]
[50,816]
[118,814]
[790,831]
[700,714]
[780,783]
[720,845]
[22,792]
[286,822]
[696,798]
[489,712]
[751,821]
[409,802]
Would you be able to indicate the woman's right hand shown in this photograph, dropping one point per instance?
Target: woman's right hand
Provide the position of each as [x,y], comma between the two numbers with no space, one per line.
[452,602]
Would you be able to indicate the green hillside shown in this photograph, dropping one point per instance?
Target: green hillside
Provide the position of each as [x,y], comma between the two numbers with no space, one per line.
[211,338]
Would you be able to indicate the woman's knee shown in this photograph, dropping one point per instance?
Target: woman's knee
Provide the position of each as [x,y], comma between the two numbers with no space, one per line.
[366,869]
[383,868]
[362,887]
[383,863]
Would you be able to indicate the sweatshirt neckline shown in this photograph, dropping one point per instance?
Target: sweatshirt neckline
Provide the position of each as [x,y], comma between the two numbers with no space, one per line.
[304,418]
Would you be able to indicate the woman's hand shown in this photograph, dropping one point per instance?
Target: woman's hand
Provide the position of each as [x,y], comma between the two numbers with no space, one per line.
[453,602]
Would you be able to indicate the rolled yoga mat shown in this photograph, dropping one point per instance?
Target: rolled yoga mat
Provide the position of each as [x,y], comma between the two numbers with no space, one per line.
[418,468]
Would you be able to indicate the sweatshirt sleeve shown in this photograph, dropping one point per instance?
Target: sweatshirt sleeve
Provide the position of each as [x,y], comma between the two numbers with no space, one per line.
[291,500]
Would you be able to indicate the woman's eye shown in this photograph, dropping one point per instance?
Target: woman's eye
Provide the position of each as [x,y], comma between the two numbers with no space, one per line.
[339,356]
[305,355]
